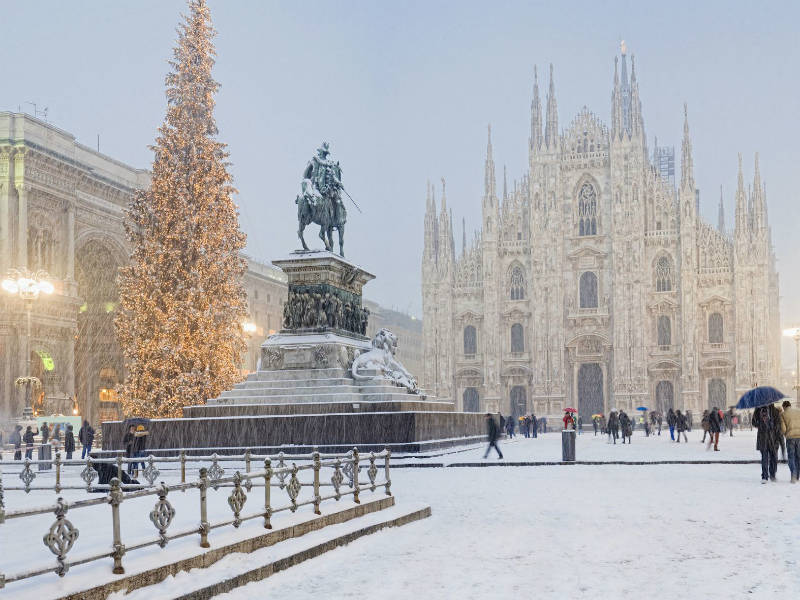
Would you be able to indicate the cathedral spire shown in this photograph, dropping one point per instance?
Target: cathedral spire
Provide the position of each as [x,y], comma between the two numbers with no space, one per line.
[536,115]
[687,166]
[637,122]
[430,249]
[551,130]
[625,91]
[489,176]
[505,184]
[742,216]
[759,204]
[463,237]
[721,213]
[616,104]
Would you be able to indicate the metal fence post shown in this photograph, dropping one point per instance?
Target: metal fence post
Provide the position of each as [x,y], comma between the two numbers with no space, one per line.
[204,526]
[2,502]
[57,462]
[183,467]
[388,479]
[267,483]
[115,499]
[247,460]
[317,497]
[355,476]
[119,466]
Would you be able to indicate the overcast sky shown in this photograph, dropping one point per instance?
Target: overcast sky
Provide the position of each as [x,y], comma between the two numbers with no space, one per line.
[403,91]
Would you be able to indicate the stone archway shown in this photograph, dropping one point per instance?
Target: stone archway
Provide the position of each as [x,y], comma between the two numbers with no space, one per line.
[97,353]
[590,390]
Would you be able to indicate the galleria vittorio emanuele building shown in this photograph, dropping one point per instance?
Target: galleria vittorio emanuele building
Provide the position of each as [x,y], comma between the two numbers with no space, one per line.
[594,282]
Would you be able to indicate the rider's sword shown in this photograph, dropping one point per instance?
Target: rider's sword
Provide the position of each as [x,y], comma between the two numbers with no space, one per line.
[351,200]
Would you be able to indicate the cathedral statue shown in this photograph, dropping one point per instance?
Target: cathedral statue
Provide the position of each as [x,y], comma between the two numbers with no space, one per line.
[320,200]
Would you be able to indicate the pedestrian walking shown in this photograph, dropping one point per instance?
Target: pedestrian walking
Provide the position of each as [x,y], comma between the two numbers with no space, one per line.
[28,439]
[86,438]
[704,423]
[16,439]
[534,425]
[140,443]
[625,426]
[595,424]
[127,443]
[45,431]
[69,442]
[714,426]
[492,433]
[790,427]
[671,423]
[580,425]
[510,427]
[680,425]
[731,416]
[613,426]
[767,420]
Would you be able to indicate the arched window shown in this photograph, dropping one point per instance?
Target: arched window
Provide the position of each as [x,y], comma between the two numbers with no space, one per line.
[587,210]
[664,274]
[470,340]
[664,331]
[715,329]
[517,338]
[517,283]
[471,402]
[588,290]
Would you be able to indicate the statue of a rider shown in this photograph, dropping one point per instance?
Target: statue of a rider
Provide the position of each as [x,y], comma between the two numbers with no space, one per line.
[321,198]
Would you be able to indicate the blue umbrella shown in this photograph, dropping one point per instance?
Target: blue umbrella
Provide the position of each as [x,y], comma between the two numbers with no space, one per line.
[760,396]
[642,408]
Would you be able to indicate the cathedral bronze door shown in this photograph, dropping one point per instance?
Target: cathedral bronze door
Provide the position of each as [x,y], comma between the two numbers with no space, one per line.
[590,391]
[665,396]
[519,401]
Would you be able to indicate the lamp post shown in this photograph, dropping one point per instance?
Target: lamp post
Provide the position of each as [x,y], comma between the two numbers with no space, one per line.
[28,286]
[794,333]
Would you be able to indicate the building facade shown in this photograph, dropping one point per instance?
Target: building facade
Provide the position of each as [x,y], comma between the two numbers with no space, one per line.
[594,282]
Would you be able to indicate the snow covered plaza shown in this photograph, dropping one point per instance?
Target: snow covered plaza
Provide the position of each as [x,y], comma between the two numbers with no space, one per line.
[599,530]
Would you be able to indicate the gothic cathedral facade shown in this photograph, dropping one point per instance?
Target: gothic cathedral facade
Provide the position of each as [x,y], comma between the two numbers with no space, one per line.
[594,283]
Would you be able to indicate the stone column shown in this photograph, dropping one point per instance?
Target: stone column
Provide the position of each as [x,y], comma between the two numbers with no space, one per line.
[575,399]
[5,217]
[606,387]
[22,225]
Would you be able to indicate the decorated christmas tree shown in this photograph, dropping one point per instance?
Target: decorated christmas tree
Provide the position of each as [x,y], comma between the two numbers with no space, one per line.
[181,297]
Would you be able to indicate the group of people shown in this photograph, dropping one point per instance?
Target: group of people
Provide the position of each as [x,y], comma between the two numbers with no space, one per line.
[529,425]
[49,437]
[134,442]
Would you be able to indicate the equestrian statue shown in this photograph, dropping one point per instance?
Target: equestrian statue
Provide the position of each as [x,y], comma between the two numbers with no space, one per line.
[320,201]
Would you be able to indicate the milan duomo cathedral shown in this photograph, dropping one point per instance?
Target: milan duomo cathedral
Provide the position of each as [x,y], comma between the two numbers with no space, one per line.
[594,283]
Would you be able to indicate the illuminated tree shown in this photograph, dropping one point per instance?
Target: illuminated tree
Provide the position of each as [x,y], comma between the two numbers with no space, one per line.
[181,297]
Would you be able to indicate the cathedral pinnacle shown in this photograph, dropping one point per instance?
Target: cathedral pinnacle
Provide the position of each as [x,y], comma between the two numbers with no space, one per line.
[742,216]
[721,213]
[489,182]
[536,114]
[551,129]
[687,166]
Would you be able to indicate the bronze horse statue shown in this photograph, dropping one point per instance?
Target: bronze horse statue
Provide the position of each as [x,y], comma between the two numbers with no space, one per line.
[313,208]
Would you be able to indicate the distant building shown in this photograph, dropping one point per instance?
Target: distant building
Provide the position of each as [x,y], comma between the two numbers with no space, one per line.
[593,283]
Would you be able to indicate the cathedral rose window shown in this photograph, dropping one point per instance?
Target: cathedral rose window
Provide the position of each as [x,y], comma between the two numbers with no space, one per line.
[664,274]
[587,210]
[517,284]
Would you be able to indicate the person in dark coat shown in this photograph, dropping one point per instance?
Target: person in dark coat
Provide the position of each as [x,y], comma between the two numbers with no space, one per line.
[613,426]
[28,439]
[714,427]
[510,427]
[86,438]
[534,425]
[69,442]
[680,425]
[671,423]
[625,426]
[492,433]
[45,431]
[127,443]
[139,444]
[768,421]
[16,439]
[595,424]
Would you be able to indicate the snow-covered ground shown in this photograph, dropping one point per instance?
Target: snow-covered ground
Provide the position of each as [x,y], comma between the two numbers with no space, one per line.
[660,531]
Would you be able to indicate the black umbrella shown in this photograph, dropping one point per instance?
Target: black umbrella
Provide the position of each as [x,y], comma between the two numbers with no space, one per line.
[760,396]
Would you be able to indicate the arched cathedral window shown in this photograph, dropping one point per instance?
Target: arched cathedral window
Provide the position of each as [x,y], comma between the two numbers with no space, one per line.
[664,274]
[517,339]
[588,290]
[470,340]
[517,284]
[587,210]
[715,328]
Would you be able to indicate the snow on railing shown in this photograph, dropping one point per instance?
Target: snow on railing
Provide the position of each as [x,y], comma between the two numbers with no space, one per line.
[62,535]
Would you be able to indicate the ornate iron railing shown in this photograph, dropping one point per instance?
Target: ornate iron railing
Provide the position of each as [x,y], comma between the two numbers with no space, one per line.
[62,536]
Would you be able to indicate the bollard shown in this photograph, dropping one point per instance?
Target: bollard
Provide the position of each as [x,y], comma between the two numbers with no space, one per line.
[317,496]
[204,526]
[267,483]
[115,499]
[183,467]
[568,445]
[388,479]
[355,476]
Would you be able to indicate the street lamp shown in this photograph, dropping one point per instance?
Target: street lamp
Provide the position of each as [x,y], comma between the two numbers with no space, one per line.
[28,286]
[794,332]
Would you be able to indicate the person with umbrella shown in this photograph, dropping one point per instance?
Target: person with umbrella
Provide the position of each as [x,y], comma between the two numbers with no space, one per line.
[767,419]
[643,420]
